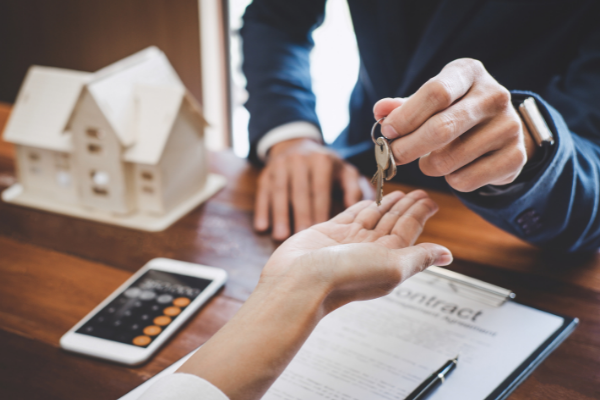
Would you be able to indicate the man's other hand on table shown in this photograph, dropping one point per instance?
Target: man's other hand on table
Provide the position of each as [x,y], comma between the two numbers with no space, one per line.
[301,173]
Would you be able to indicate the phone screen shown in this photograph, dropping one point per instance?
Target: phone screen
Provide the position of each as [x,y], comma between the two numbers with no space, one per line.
[145,309]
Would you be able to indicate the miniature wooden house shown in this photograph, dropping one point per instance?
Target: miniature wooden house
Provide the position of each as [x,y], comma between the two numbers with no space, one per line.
[122,145]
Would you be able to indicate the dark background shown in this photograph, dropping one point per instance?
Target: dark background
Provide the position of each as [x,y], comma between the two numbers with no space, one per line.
[87,35]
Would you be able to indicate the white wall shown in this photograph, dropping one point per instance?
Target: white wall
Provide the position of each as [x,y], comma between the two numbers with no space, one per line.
[214,73]
[148,187]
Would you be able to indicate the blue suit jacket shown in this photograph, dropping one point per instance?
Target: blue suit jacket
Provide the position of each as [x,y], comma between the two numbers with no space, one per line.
[544,48]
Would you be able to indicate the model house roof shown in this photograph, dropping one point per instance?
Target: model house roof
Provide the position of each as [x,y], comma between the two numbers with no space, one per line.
[140,96]
[157,109]
[113,87]
[44,104]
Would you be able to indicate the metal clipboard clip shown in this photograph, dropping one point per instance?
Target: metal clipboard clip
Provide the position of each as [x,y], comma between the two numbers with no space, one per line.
[466,286]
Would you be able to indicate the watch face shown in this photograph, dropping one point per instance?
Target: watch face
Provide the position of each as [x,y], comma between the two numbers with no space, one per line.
[145,309]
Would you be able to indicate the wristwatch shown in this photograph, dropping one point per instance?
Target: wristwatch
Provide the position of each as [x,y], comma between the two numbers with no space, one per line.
[541,134]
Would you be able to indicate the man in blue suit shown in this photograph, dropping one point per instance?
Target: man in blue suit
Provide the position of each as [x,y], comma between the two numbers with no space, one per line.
[448,75]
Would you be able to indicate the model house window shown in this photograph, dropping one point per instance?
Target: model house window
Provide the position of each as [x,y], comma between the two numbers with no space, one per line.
[147,176]
[63,179]
[100,191]
[34,166]
[100,182]
[62,161]
[100,178]
[94,133]
[94,148]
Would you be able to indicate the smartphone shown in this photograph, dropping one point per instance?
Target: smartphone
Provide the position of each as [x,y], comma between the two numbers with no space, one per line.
[135,320]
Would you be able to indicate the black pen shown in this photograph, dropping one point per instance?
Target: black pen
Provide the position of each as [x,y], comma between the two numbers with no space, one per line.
[434,380]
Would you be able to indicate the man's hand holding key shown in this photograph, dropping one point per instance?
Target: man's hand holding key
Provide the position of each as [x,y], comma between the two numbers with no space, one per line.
[460,125]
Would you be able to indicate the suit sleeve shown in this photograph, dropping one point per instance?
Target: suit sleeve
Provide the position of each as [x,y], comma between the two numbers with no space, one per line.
[559,207]
[277,40]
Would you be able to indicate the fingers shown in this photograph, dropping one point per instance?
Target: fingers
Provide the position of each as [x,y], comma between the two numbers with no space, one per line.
[461,97]
[261,207]
[387,222]
[475,143]
[414,259]
[300,177]
[439,130]
[321,178]
[280,201]
[411,223]
[301,193]
[405,213]
[437,94]
[369,216]
[497,168]
[349,215]
[350,182]
[385,106]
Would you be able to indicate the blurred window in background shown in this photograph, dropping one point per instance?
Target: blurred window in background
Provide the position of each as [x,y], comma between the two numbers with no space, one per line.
[334,70]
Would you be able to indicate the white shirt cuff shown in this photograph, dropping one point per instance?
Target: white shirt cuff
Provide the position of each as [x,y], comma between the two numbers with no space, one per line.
[180,386]
[292,130]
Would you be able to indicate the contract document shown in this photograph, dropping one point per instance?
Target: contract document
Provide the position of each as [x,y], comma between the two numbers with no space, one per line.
[383,349]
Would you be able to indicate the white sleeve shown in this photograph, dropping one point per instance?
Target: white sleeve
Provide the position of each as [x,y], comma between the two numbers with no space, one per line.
[292,130]
[181,386]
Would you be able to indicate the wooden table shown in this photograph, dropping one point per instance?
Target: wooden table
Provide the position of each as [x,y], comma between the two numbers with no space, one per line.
[55,269]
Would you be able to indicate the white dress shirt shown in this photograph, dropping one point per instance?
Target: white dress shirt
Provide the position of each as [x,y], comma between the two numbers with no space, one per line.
[181,386]
[292,130]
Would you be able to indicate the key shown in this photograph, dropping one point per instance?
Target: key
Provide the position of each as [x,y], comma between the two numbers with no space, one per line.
[382,157]
[391,171]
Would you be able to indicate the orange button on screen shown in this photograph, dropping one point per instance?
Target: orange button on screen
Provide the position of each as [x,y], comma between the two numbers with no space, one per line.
[162,320]
[181,301]
[152,330]
[172,311]
[141,340]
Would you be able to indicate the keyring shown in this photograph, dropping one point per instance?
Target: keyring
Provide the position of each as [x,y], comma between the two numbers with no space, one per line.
[373,131]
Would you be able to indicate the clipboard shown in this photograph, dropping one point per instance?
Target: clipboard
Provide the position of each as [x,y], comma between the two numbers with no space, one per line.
[496,296]
[535,359]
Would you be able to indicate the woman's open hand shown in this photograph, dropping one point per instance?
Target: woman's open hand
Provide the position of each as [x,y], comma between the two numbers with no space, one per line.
[362,253]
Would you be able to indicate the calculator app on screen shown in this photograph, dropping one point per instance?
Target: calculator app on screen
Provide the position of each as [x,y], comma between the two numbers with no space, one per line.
[139,314]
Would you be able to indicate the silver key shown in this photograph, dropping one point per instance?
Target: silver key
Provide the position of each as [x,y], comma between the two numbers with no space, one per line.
[391,171]
[382,157]
[377,180]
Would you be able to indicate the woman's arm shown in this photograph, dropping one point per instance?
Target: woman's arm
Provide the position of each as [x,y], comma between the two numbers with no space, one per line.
[362,253]
[246,356]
